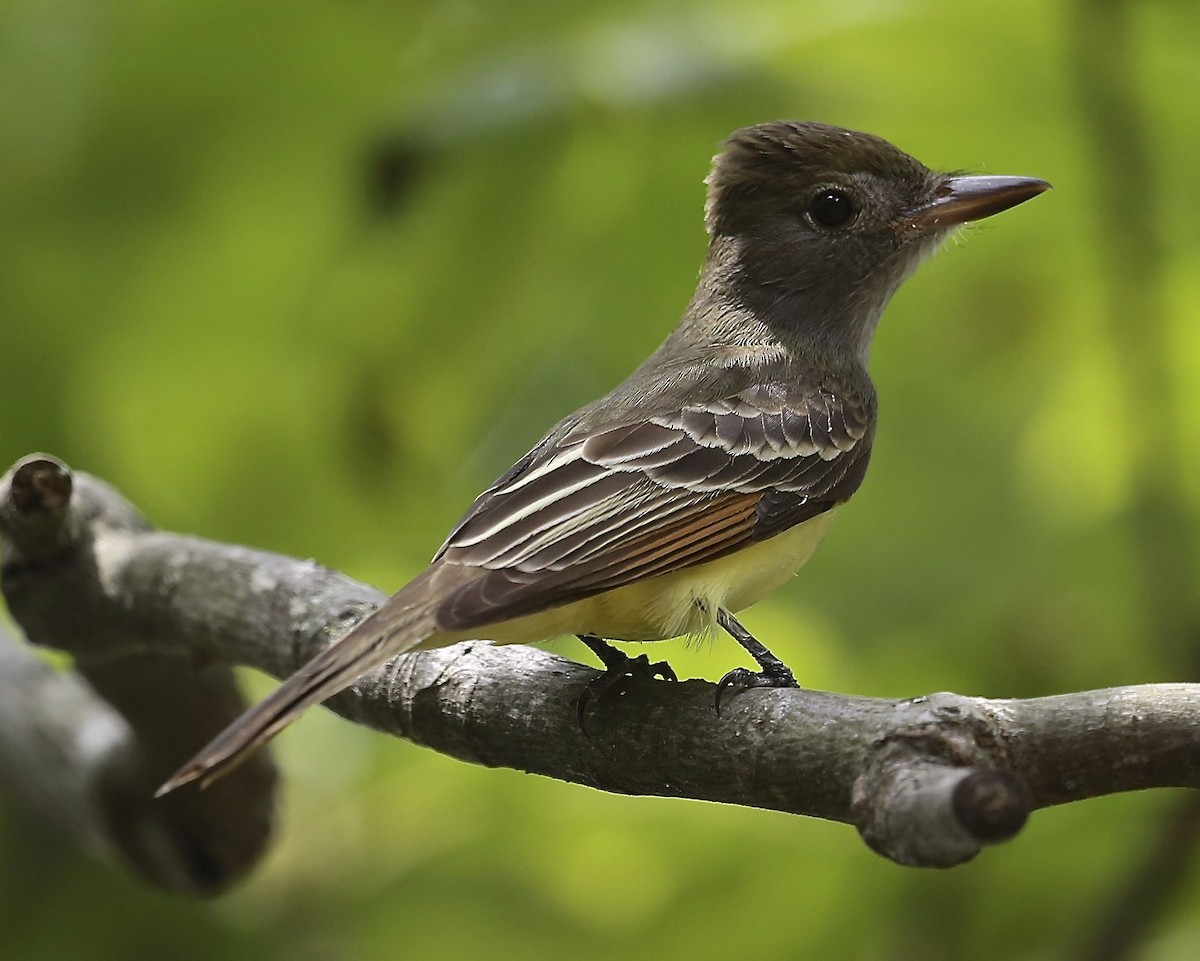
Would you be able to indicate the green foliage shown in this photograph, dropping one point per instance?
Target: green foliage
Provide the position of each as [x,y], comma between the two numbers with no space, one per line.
[308,276]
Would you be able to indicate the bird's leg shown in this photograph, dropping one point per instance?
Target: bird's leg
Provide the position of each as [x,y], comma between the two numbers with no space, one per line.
[617,667]
[774,672]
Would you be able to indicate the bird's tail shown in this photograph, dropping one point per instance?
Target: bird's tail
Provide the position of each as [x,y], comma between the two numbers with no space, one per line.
[400,625]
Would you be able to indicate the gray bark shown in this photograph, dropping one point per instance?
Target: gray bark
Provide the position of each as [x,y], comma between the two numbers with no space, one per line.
[154,621]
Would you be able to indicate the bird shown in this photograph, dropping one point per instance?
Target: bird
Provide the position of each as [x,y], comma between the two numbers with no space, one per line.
[707,478]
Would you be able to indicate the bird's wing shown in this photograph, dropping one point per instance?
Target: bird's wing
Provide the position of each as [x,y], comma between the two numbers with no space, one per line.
[599,509]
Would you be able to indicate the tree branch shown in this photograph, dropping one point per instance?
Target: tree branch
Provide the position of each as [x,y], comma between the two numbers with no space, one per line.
[927,781]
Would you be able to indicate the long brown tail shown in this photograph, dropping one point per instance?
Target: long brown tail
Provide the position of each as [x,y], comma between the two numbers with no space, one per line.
[399,625]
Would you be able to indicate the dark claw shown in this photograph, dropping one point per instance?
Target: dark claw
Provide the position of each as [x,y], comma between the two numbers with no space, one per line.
[774,672]
[619,668]
[743,678]
[652,669]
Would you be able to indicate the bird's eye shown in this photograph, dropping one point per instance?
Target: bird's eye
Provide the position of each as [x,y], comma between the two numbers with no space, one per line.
[831,209]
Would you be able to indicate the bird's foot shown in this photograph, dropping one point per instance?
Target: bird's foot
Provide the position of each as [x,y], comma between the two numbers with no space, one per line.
[619,669]
[774,672]
[740,678]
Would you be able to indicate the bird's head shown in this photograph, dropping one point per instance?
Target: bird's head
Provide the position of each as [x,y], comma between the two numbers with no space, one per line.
[834,220]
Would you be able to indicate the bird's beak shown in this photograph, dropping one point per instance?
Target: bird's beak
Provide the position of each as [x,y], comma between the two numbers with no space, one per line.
[959,200]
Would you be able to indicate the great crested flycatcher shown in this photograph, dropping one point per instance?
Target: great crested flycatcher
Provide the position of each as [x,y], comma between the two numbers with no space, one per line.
[706,479]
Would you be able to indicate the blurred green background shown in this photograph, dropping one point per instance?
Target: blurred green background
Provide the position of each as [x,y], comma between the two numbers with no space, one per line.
[308,276]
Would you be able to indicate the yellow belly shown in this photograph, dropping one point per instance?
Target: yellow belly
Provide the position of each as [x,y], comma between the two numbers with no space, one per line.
[682,602]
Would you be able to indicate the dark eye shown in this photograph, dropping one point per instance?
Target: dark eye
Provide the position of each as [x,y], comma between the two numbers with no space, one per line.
[831,208]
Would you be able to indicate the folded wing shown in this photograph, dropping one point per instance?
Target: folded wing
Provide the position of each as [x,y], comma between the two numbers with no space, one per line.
[603,508]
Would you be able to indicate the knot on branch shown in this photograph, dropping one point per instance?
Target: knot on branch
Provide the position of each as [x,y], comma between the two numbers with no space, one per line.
[41,484]
[34,497]
[69,546]
[934,795]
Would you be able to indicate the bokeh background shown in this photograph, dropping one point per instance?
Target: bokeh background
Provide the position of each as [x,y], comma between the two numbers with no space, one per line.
[308,276]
